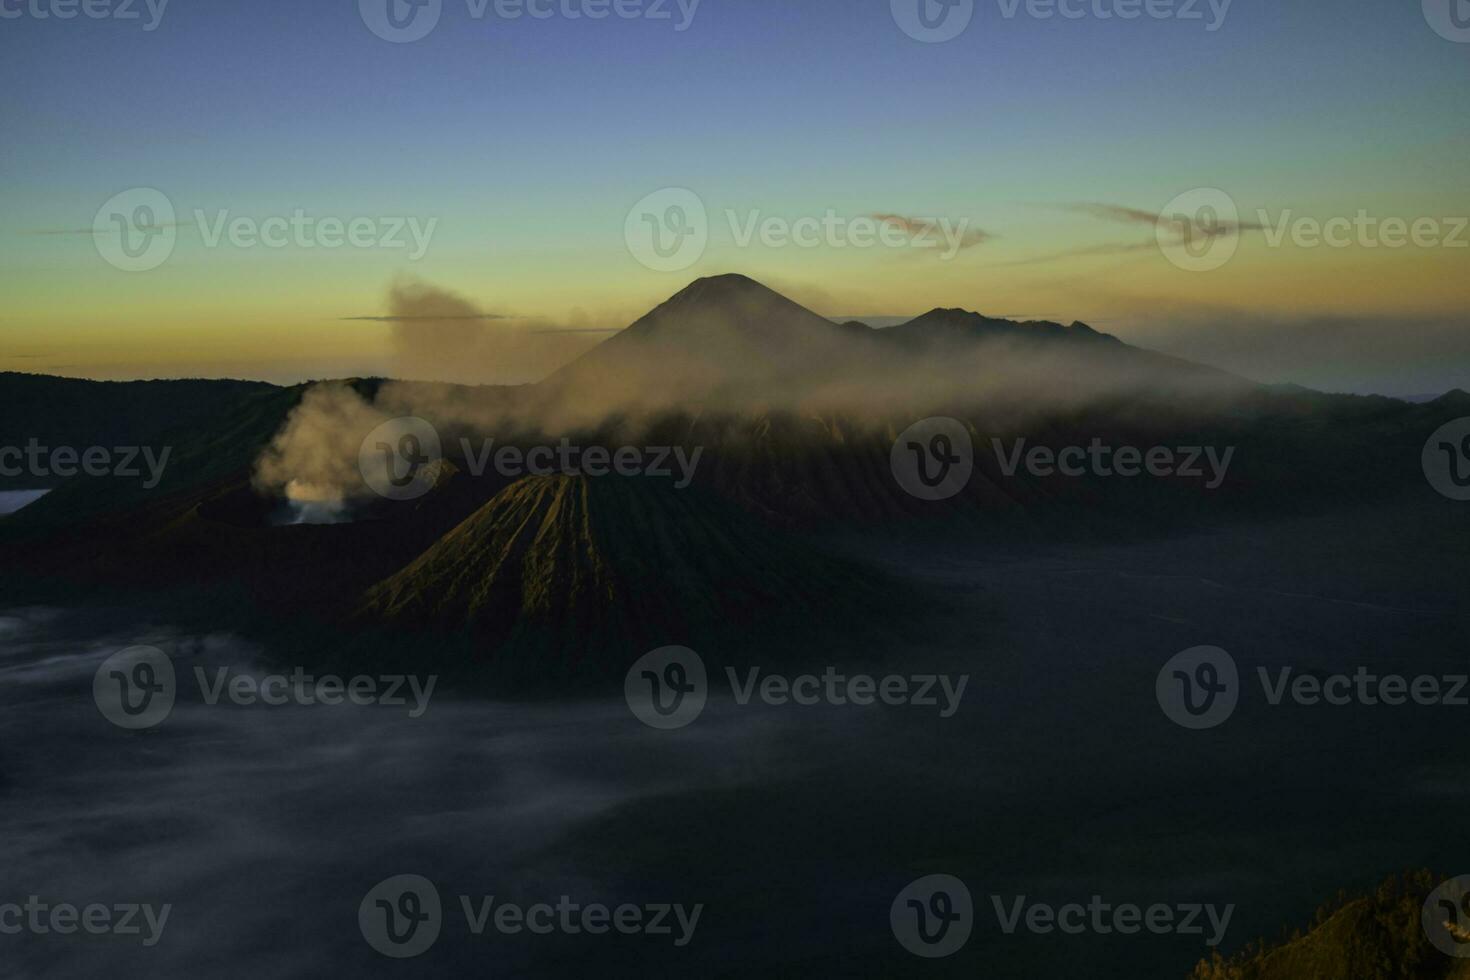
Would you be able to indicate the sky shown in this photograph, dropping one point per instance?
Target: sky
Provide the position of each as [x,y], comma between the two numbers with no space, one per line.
[548,177]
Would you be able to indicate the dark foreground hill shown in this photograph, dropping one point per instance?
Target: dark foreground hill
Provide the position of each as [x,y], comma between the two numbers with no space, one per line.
[1373,937]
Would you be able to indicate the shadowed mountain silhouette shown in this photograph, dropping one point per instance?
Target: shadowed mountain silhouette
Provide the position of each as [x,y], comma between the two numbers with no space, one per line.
[732,344]
[940,326]
[716,333]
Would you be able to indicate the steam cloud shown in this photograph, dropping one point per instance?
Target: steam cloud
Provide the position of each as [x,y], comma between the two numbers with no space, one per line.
[439,336]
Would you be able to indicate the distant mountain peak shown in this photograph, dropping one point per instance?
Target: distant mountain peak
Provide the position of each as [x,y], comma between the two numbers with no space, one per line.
[730,292]
[1455,397]
[725,320]
[727,280]
[955,323]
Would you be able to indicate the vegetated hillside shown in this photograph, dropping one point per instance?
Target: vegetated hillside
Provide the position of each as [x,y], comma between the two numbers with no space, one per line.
[571,578]
[1373,937]
[209,429]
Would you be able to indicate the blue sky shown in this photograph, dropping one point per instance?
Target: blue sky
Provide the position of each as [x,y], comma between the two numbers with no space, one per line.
[530,139]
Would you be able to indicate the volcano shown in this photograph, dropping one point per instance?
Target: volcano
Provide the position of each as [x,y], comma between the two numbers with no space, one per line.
[731,344]
[541,579]
[573,577]
[720,336]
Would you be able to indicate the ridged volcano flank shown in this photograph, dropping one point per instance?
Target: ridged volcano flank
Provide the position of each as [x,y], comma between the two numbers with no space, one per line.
[570,578]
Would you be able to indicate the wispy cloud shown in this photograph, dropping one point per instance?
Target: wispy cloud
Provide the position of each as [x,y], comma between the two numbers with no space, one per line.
[1179,231]
[93,231]
[956,232]
[409,318]
[1121,214]
[1113,212]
